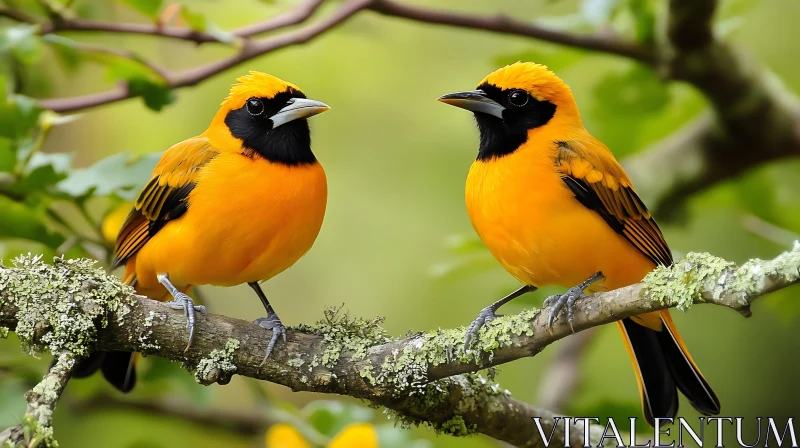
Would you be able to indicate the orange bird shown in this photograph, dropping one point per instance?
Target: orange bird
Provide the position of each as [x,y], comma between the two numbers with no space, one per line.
[240,203]
[554,207]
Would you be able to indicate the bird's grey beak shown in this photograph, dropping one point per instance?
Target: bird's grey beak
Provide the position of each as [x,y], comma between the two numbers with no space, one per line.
[474,100]
[296,109]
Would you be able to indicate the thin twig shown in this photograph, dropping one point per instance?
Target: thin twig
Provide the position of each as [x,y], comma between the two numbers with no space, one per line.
[126,54]
[286,19]
[194,76]
[15,14]
[506,25]
[752,109]
[768,230]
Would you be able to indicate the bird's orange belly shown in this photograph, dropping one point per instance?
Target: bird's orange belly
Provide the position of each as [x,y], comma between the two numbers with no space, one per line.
[542,235]
[247,221]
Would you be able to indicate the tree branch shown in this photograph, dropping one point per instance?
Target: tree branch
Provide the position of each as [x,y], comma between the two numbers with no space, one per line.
[604,43]
[756,119]
[286,19]
[423,378]
[250,50]
[16,15]
[36,427]
[751,107]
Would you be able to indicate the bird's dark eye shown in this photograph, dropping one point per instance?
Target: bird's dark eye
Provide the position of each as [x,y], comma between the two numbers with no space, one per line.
[254,107]
[518,98]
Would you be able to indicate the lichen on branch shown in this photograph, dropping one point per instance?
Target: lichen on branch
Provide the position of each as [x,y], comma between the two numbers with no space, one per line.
[36,429]
[60,306]
[425,378]
[218,367]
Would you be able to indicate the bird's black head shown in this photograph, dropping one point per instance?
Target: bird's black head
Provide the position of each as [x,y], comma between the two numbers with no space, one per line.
[512,102]
[504,116]
[275,127]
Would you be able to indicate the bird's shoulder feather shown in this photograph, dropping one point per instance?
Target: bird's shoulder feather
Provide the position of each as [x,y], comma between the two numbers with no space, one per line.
[598,181]
[165,197]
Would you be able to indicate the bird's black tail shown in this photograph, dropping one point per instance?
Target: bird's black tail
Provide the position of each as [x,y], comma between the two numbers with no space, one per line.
[118,368]
[663,366]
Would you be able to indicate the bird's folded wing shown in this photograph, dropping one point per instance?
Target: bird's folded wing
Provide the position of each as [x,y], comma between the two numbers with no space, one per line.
[164,198]
[600,184]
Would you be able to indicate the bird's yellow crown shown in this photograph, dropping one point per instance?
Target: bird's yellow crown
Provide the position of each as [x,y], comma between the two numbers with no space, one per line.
[536,79]
[256,84]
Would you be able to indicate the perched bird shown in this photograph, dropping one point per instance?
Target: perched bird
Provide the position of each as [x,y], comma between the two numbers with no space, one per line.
[554,207]
[240,203]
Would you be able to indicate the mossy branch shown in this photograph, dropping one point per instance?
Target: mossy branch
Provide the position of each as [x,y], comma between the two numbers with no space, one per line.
[425,378]
[36,428]
[751,109]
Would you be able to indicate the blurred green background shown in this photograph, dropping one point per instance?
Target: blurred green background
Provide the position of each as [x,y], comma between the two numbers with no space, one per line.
[396,240]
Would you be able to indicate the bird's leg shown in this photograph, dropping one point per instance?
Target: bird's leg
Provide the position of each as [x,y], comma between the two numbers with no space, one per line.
[182,302]
[488,314]
[569,298]
[271,322]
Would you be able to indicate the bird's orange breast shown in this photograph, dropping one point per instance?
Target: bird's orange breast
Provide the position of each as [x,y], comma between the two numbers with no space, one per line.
[533,225]
[248,220]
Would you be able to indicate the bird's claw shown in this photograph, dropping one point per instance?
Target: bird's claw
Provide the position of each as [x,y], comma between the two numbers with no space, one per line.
[558,302]
[271,322]
[484,317]
[568,299]
[185,303]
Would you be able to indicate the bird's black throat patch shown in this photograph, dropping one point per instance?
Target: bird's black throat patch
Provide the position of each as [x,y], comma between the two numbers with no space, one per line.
[503,137]
[289,144]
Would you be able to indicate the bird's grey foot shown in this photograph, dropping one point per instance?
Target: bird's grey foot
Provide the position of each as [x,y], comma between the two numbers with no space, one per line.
[568,300]
[271,322]
[185,303]
[486,315]
[182,302]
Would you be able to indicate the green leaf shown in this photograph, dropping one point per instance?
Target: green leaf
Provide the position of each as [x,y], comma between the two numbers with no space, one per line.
[21,220]
[22,42]
[150,8]
[60,161]
[65,50]
[196,21]
[142,80]
[19,115]
[118,174]
[155,95]
[37,180]
[43,171]
[199,22]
